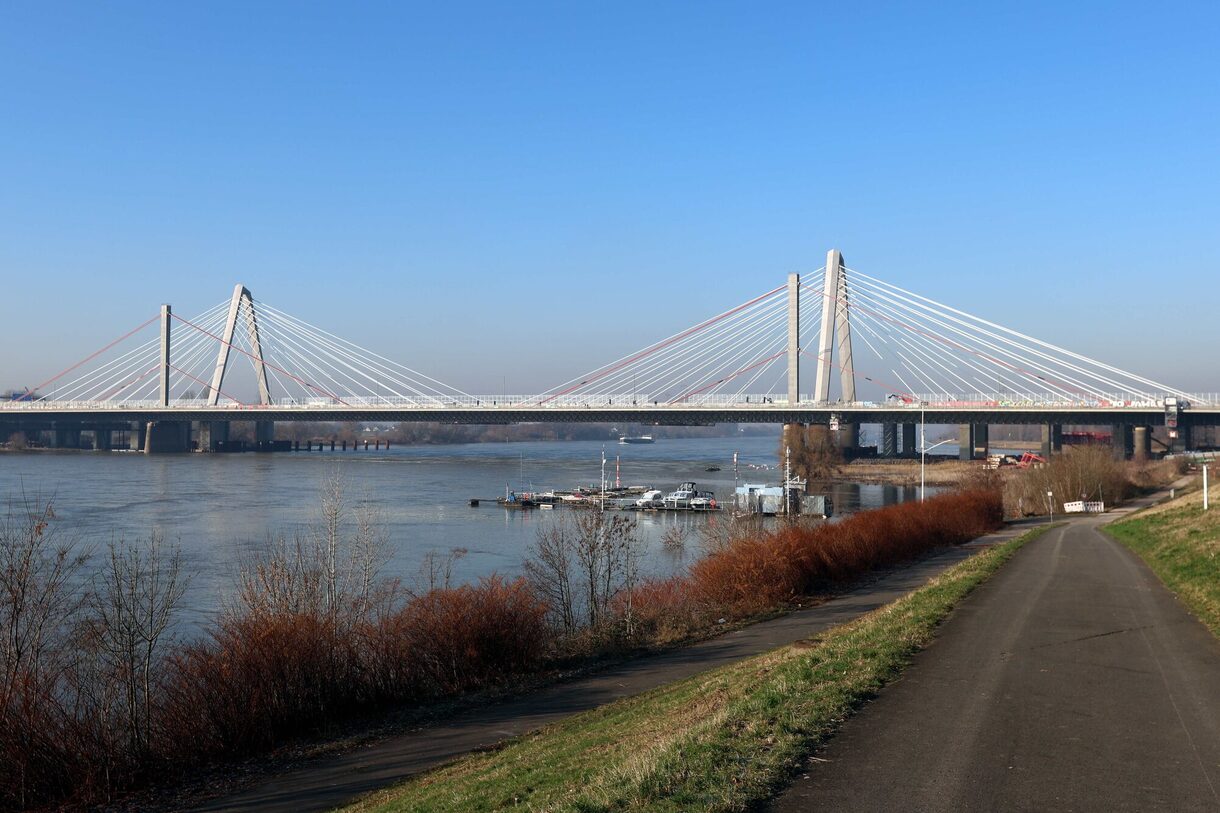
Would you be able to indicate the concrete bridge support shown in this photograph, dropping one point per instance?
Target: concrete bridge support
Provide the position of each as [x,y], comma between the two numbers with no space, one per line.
[848,436]
[66,436]
[1185,441]
[1121,442]
[1141,442]
[103,440]
[211,434]
[910,445]
[137,436]
[973,441]
[889,440]
[1052,440]
[264,432]
[165,437]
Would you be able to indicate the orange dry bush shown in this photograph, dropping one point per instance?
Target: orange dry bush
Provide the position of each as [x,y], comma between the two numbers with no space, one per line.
[262,678]
[267,677]
[470,636]
[761,572]
[661,611]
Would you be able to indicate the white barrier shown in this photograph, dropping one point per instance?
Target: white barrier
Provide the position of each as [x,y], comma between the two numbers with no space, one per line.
[1082,507]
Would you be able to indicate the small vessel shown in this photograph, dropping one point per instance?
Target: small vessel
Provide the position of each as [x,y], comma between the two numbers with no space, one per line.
[689,499]
[635,439]
[650,499]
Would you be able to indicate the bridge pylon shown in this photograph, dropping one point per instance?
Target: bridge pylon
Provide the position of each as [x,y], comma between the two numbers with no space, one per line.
[241,295]
[836,330]
[836,323]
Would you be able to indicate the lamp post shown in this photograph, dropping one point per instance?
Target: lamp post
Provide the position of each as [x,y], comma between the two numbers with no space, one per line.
[923,461]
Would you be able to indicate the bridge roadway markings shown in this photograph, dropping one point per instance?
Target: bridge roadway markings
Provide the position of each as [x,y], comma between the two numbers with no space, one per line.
[329,781]
[1071,680]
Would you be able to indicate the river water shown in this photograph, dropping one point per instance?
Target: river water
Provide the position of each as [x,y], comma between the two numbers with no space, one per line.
[221,507]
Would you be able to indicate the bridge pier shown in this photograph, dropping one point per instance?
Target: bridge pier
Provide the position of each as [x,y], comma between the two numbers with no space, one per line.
[167,437]
[889,440]
[212,434]
[1052,440]
[848,436]
[1185,439]
[1141,442]
[973,441]
[910,446]
[103,439]
[264,434]
[66,436]
[1121,441]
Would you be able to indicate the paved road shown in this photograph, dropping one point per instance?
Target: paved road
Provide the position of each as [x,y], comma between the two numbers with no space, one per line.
[1071,681]
[327,782]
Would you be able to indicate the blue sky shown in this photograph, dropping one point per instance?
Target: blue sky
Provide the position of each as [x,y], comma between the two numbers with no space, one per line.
[524,191]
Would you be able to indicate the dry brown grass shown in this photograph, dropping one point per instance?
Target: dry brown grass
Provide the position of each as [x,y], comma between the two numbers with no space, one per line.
[906,472]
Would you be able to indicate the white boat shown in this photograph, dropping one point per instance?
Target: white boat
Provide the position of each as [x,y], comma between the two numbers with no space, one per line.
[651,499]
[635,439]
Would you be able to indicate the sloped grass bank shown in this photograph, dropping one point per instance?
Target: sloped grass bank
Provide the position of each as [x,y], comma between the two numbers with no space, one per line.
[1181,543]
[719,741]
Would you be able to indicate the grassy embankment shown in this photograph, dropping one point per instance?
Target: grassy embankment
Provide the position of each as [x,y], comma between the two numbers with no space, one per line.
[1181,543]
[718,741]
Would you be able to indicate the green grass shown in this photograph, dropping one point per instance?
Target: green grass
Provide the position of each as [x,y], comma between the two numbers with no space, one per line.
[1181,543]
[719,741]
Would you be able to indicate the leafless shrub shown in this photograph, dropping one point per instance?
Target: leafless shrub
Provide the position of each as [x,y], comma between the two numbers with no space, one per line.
[1079,473]
[134,599]
[436,570]
[332,569]
[675,536]
[40,605]
[580,561]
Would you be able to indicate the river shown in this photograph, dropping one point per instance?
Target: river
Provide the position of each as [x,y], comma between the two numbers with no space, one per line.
[220,508]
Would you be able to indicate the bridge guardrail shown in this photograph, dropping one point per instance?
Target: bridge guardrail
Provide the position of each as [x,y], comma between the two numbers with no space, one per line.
[626,401]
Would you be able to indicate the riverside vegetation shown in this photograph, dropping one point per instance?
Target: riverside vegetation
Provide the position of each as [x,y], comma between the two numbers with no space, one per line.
[724,740]
[97,697]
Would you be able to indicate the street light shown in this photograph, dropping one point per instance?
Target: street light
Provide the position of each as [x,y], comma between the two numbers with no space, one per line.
[924,448]
[923,458]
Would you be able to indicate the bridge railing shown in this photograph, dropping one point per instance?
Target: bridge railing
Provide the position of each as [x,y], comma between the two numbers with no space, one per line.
[632,402]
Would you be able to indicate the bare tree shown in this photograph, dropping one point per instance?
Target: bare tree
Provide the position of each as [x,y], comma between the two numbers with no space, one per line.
[549,570]
[436,569]
[38,599]
[332,570]
[579,562]
[135,597]
[40,602]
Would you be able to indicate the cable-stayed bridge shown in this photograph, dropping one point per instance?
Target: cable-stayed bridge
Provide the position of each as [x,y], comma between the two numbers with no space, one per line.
[837,347]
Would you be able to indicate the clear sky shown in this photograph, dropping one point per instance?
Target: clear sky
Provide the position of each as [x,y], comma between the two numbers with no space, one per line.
[507,194]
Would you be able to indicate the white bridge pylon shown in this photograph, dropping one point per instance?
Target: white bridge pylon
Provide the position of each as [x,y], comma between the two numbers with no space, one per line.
[908,350]
[197,362]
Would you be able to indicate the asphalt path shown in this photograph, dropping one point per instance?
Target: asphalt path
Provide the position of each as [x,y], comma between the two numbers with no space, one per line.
[327,782]
[1072,680]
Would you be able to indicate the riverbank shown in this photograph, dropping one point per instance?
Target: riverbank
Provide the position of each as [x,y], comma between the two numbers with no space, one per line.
[720,740]
[751,577]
